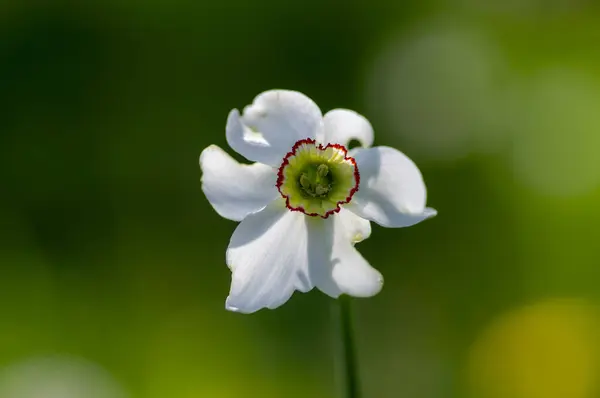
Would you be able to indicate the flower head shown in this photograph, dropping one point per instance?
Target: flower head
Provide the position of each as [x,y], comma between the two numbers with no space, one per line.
[306,200]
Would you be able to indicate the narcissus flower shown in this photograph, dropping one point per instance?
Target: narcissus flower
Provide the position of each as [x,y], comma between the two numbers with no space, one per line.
[307,199]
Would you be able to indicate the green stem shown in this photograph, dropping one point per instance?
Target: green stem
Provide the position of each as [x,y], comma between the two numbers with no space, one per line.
[347,356]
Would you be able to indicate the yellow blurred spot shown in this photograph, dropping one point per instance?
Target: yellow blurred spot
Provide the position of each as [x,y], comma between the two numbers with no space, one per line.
[548,350]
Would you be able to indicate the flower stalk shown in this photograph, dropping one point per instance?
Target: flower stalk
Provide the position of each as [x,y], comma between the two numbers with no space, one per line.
[347,363]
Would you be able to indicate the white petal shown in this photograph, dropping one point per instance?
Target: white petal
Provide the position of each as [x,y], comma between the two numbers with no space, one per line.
[233,189]
[343,125]
[348,271]
[353,274]
[269,127]
[392,191]
[271,254]
[355,229]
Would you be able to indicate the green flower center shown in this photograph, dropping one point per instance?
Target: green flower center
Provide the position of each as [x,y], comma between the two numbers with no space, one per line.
[316,179]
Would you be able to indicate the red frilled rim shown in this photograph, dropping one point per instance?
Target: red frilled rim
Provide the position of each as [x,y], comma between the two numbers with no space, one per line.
[292,153]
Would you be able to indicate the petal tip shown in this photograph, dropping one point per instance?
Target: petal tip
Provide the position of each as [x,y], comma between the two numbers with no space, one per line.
[208,151]
[234,123]
[230,307]
[379,288]
[430,212]
[234,113]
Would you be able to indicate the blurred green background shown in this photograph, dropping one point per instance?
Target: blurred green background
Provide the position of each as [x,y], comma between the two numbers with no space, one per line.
[113,278]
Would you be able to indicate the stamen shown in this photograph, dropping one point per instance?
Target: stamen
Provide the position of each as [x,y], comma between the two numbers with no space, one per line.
[305,182]
[315,181]
[322,170]
[321,190]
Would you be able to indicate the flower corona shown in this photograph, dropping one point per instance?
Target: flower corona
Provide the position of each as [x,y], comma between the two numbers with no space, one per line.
[316,180]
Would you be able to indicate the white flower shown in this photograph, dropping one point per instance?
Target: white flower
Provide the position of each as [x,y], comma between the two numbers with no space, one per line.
[306,201]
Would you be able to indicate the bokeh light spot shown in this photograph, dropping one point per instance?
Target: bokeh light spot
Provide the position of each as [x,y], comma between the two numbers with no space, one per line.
[437,89]
[57,377]
[557,140]
[547,350]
